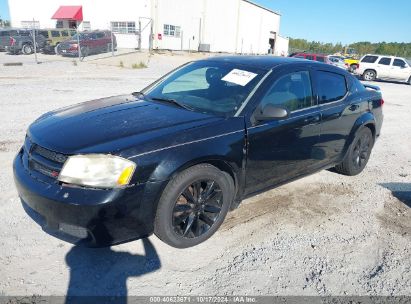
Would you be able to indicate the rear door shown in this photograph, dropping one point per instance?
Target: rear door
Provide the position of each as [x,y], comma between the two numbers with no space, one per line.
[339,110]
[281,149]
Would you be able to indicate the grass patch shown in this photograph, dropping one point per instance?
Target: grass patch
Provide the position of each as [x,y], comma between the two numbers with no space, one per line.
[140,65]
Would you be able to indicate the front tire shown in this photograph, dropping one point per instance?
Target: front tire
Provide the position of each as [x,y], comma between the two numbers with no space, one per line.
[358,153]
[369,75]
[27,49]
[193,206]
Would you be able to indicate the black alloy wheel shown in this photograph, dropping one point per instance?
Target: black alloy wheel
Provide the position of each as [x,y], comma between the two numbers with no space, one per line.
[197,208]
[358,153]
[193,205]
[361,151]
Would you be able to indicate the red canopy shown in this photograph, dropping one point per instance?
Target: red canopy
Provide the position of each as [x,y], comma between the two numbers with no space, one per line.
[69,13]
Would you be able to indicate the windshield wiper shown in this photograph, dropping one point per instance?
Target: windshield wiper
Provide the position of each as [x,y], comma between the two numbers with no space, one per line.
[174,102]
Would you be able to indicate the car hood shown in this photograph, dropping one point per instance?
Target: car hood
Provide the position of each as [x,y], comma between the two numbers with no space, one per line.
[111,124]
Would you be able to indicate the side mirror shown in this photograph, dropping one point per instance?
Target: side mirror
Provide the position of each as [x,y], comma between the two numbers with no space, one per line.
[271,112]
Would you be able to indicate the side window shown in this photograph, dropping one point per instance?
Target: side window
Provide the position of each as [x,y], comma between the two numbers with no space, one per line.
[399,63]
[331,86]
[292,91]
[45,34]
[55,34]
[64,33]
[385,61]
[309,57]
[369,59]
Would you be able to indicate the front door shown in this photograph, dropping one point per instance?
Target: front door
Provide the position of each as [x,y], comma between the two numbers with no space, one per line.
[400,70]
[281,149]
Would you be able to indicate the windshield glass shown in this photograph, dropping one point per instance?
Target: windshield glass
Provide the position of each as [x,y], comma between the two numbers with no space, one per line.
[408,61]
[210,87]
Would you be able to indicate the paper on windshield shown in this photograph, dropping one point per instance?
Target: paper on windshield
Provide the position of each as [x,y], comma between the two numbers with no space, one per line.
[239,77]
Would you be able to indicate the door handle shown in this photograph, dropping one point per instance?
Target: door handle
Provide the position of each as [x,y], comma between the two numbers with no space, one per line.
[312,119]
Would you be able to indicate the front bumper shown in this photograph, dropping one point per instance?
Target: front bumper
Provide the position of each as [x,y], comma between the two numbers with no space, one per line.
[13,49]
[94,217]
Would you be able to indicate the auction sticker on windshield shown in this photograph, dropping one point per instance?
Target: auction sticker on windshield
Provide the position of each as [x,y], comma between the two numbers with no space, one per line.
[239,77]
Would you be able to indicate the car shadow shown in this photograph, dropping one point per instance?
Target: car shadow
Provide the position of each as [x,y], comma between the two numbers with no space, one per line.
[402,191]
[99,275]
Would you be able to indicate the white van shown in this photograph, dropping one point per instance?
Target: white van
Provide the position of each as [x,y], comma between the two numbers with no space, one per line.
[373,67]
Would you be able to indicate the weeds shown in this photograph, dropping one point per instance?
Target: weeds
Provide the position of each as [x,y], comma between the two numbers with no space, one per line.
[140,65]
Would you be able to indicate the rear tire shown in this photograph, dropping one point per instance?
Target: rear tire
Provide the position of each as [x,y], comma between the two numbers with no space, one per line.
[57,49]
[27,49]
[358,153]
[193,206]
[369,75]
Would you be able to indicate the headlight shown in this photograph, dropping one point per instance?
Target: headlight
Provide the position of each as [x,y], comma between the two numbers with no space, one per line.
[97,170]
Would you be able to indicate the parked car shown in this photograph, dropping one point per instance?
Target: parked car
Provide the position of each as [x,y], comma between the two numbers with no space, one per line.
[311,56]
[337,61]
[5,35]
[54,37]
[94,42]
[352,63]
[23,42]
[176,157]
[383,67]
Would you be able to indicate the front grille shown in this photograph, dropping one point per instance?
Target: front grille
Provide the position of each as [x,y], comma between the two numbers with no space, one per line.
[53,156]
[43,160]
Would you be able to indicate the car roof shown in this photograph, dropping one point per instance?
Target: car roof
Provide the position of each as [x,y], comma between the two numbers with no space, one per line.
[268,62]
[263,62]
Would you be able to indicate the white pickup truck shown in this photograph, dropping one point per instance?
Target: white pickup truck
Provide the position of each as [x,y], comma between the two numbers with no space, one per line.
[382,67]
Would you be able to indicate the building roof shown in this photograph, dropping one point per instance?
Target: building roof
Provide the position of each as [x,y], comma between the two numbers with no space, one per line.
[263,7]
[69,13]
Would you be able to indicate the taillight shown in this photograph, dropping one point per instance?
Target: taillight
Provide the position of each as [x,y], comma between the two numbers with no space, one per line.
[382,102]
[12,41]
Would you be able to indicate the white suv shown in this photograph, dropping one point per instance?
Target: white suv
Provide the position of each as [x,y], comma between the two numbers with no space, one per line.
[373,67]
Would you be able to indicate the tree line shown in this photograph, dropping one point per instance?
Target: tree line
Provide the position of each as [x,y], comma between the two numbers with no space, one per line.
[364,47]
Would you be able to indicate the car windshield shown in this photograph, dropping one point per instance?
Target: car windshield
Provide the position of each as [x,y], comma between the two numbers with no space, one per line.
[211,87]
[408,61]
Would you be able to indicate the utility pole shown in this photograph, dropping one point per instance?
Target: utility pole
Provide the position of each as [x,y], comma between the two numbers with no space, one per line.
[34,41]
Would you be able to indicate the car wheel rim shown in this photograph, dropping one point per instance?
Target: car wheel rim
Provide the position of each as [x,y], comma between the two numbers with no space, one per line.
[369,76]
[361,151]
[197,208]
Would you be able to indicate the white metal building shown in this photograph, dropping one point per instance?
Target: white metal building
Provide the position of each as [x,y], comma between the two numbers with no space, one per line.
[234,26]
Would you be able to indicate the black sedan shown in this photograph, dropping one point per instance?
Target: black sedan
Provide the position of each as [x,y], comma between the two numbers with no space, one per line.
[174,158]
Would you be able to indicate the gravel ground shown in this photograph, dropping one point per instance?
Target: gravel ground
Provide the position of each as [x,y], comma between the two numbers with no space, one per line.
[322,235]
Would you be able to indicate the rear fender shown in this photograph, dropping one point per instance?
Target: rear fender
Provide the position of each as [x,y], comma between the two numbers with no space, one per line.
[365,120]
